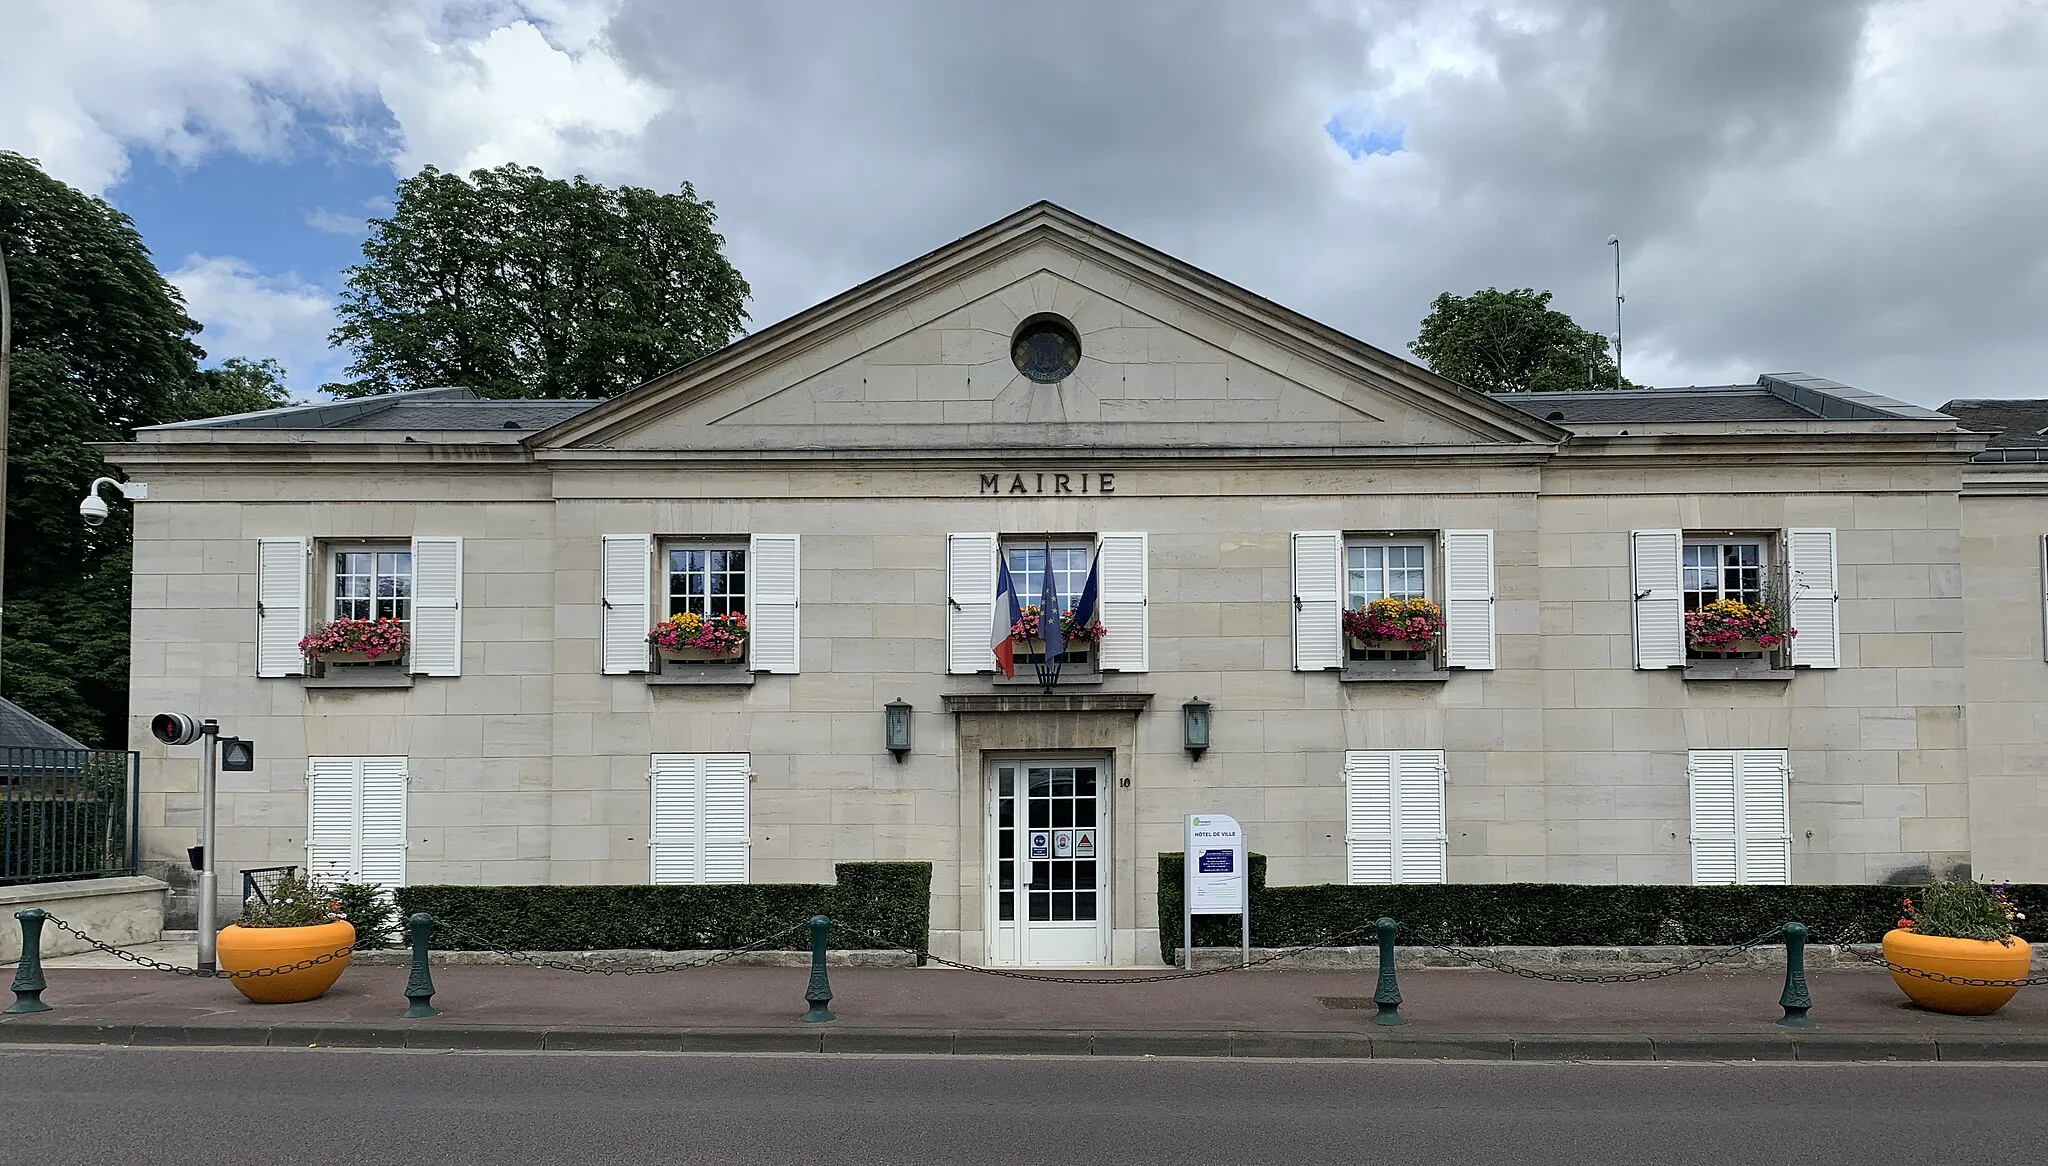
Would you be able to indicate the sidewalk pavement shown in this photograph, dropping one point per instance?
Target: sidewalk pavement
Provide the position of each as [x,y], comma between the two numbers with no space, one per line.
[1457,1014]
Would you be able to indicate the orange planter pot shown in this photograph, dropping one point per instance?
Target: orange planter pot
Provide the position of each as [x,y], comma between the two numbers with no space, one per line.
[1977,959]
[241,949]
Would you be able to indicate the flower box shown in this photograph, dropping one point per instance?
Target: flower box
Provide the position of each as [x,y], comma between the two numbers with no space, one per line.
[1359,645]
[1077,652]
[1742,647]
[358,657]
[1394,625]
[692,653]
[700,638]
[357,641]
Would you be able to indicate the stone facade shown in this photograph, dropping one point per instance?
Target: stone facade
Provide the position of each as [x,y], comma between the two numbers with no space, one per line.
[868,427]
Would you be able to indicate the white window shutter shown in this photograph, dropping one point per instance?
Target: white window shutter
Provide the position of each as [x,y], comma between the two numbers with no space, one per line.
[1815,602]
[331,833]
[1468,599]
[380,822]
[1121,600]
[772,626]
[723,830]
[625,581]
[1656,575]
[1714,817]
[1419,817]
[1318,601]
[1764,841]
[674,837]
[281,569]
[970,603]
[436,648]
[1369,817]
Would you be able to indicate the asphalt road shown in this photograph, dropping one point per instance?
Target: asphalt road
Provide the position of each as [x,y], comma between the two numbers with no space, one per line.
[284,1107]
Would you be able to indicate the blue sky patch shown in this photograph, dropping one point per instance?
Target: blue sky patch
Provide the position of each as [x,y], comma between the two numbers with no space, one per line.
[1361,144]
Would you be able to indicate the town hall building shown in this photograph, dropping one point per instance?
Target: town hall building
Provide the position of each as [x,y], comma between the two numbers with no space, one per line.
[836,511]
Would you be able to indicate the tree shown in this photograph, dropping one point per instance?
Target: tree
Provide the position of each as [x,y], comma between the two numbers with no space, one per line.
[1512,342]
[238,385]
[519,285]
[102,345]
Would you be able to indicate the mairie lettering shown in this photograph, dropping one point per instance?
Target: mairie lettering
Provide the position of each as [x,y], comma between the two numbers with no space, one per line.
[1047,482]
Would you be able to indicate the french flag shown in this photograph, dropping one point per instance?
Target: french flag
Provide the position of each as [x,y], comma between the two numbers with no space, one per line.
[1008,612]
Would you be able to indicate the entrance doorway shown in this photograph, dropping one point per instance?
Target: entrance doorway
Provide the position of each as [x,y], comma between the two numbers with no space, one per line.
[1048,848]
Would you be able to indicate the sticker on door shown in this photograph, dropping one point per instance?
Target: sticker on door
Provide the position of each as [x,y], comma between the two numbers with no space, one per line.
[1041,844]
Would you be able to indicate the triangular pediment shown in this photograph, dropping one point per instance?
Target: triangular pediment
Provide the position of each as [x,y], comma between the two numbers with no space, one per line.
[1170,358]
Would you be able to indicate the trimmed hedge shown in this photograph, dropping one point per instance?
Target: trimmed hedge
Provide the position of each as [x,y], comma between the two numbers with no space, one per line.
[1550,914]
[891,899]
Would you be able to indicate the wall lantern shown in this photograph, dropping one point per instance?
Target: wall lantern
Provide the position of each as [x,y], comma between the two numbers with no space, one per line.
[1195,726]
[896,727]
[237,755]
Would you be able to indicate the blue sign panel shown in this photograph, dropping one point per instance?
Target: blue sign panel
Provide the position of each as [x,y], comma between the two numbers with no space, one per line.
[1041,844]
[1215,861]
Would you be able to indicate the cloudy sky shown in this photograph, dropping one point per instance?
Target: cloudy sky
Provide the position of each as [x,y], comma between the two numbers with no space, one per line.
[1853,188]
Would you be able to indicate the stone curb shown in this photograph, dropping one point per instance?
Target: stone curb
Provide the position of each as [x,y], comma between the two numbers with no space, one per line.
[1405,1044]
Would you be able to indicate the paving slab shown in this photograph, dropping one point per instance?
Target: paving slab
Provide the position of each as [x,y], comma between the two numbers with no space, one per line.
[1452,1014]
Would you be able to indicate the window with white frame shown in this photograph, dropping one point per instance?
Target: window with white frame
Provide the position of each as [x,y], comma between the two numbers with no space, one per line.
[707,578]
[370,582]
[645,580]
[1383,569]
[1068,562]
[1730,568]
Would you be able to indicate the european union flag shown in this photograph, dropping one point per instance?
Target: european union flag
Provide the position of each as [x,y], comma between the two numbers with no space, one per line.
[1049,612]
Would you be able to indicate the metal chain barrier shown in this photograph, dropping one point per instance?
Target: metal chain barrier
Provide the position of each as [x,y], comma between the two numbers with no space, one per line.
[613,967]
[157,965]
[1527,973]
[1008,974]
[1878,959]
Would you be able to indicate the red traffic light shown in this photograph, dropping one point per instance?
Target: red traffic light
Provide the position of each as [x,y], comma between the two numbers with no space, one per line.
[174,728]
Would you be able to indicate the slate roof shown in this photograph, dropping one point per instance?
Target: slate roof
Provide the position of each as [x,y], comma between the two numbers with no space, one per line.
[2012,424]
[1787,396]
[445,409]
[21,729]
[1707,403]
[534,414]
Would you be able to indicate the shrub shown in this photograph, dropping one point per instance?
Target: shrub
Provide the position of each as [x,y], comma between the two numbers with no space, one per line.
[1962,910]
[293,901]
[372,911]
[1545,914]
[889,899]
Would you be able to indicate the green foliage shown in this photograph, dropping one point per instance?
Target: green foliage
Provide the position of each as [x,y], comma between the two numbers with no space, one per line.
[890,899]
[1542,914]
[1963,909]
[293,901]
[519,285]
[1511,342]
[102,345]
[237,386]
[371,910]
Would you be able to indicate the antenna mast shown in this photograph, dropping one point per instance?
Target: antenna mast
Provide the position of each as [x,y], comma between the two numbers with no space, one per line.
[1614,241]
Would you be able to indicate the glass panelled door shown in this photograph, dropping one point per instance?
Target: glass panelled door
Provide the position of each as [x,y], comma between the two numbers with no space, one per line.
[1049,863]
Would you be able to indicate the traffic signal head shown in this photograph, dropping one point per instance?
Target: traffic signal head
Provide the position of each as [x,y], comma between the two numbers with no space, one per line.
[174,728]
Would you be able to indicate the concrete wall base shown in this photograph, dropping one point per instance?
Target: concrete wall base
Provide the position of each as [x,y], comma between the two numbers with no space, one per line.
[120,911]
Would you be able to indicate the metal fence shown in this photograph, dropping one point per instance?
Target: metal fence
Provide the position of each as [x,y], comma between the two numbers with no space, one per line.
[67,814]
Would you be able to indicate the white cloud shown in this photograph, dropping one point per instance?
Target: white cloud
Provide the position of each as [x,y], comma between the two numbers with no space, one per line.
[467,82]
[336,223]
[247,313]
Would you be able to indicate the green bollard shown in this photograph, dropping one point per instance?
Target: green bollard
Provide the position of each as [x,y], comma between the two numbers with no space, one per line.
[1795,999]
[1389,995]
[28,977]
[819,992]
[419,987]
